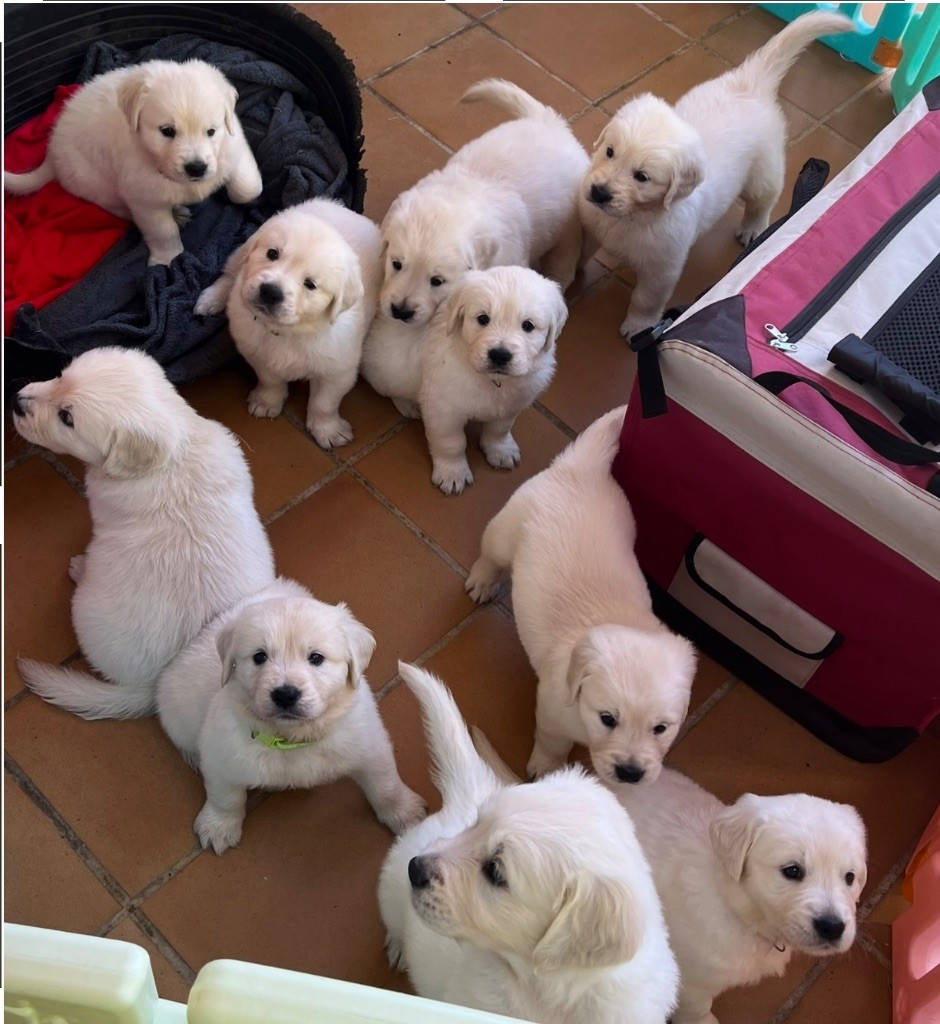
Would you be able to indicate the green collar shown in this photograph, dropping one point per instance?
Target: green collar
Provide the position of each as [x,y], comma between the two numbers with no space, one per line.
[278,742]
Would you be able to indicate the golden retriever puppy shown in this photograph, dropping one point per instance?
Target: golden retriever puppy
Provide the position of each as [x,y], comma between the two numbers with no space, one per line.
[661,176]
[611,675]
[175,535]
[488,354]
[293,709]
[146,140]
[755,880]
[530,901]
[300,295]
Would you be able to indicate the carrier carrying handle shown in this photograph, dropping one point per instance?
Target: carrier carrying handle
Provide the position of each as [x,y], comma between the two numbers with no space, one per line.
[886,444]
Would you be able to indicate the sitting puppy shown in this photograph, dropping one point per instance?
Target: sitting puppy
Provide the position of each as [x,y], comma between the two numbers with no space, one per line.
[489,353]
[530,901]
[392,355]
[611,676]
[293,709]
[742,886]
[175,539]
[300,296]
[145,141]
[661,176]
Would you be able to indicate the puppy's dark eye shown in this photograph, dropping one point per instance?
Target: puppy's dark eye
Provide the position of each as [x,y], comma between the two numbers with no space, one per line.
[640,176]
[850,878]
[528,326]
[396,264]
[436,281]
[66,417]
[608,719]
[308,284]
[659,729]
[483,319]
[210,132]
[794,872]
[168,131]
[259,657]
[316,658]
[610,152]
[273,254]
[493,872]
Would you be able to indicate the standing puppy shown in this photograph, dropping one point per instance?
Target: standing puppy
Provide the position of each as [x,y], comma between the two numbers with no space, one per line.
[530,901]
[487,356]
[300,295]
[661,176]
[175,536]
[146,140]
[745,885]
[293,709]
[611,676]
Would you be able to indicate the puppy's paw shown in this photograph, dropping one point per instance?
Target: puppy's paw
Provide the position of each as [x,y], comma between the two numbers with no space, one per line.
[503,455]
[541,764]
[452,476]
[182,215]
[405,812]
[211,301]
[482,582]
[217,830]
[395,953]
[244,191]
[330,431]
[266,402]
[407,408]
[164,257]
[746,233]
[633,324]
[76,568]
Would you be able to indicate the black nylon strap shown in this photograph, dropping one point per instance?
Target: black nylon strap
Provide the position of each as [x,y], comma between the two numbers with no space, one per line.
[649,376]
[904,453]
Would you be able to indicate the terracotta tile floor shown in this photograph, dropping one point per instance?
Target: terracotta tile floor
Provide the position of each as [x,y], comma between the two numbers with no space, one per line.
[99,815]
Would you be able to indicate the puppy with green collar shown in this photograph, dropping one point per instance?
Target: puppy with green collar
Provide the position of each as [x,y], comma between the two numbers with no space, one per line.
[292,711]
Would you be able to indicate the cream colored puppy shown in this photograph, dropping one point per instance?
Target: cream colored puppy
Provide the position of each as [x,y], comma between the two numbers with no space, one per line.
[300,295]
[392,355]
[745,885]
[175,536]
[293,709]
[611,676]
[508,197]
[489,353]
[661,176]
[530,901]
[144,141]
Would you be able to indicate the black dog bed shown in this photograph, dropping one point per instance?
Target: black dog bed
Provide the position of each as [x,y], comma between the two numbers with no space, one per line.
[301,111]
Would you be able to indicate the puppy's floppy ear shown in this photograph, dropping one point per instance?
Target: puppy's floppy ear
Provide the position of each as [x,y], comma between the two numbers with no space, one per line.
[599,924]
[687,175]
[455,312]
[732,834]
[559,316]
[235,262]
[134,452]
[130,98]
[347,294]
[361,644]
[482,253]
[231,98]
[600,138]
[225,644]
[582,656]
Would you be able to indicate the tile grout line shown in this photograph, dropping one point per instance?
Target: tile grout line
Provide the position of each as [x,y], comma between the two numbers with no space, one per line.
[66,832]
[166,948]
[880,890]
[408,119]
[412,57]
[557,421]
[60,467]
[18,460]
[872,950]
[707,705]
[790,1003]
[302,496]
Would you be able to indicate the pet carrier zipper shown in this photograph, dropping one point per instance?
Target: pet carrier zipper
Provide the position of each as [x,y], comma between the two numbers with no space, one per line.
[847,276]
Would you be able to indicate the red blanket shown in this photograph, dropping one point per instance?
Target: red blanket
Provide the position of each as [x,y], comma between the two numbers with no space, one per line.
[52,238]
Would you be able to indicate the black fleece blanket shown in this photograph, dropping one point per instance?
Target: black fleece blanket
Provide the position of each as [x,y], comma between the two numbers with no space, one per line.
[122,301]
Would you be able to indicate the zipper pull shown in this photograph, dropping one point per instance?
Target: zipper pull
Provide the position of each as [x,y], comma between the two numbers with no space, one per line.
[779,340]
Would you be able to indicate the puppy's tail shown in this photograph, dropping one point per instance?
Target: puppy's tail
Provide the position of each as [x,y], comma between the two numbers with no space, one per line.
[487,751]
[460,774]
[85,695]
[509,97]
[31,181]
[764,70]
[593,451]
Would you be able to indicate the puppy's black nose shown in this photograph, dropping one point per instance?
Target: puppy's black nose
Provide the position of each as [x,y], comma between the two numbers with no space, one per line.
[499,357]
[600,194]
[18,409]
[629,773]
[270,294]
[418,873]
[196,168]
[285,696]
[401,313]
[829,928]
